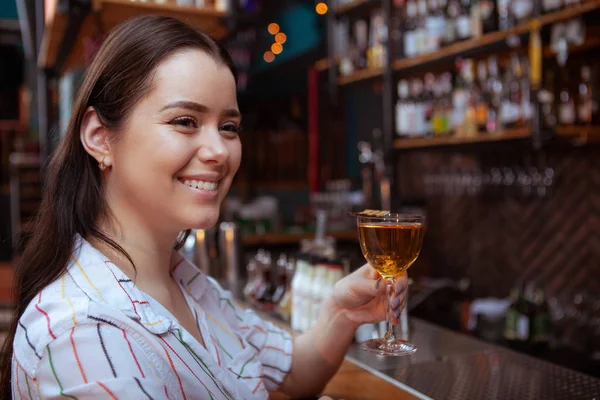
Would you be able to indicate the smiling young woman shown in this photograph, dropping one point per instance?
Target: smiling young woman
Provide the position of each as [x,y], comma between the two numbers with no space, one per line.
[106,307]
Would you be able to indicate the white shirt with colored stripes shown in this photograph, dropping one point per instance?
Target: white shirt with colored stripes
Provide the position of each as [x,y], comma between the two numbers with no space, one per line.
[93,334]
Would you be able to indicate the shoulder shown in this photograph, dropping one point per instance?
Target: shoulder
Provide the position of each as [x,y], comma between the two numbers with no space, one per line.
[57,309]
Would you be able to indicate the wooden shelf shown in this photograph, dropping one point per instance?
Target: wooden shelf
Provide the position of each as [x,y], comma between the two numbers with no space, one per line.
[354,5]
[420,143]
[460,48]
[577,130]
[110,13]
[292,238]
[589,44]
[360,76]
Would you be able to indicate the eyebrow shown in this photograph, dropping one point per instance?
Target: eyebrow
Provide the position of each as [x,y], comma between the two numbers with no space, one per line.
[191,105]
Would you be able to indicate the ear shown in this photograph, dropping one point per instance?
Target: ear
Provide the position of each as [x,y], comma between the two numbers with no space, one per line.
[95,137]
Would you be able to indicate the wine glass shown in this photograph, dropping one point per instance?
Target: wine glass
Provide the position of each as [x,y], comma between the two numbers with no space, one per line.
[390,243]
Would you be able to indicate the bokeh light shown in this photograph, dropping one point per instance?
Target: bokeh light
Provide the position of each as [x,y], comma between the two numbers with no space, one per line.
[321,8]
[276,48]
[269,56]
[281,38]
[273,28]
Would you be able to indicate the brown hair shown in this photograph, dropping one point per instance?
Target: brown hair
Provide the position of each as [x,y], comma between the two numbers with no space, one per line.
[120,75]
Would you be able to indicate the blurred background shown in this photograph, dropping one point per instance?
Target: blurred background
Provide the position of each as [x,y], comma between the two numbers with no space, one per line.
[482,115]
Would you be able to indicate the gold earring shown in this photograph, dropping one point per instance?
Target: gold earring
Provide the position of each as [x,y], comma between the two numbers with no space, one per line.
[102,165]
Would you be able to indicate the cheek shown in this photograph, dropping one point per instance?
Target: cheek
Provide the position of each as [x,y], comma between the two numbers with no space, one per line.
[235,156]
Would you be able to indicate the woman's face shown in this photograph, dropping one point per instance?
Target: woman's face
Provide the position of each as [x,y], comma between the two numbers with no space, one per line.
[176,158]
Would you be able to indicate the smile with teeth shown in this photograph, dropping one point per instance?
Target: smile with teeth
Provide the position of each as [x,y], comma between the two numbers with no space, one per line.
[200,185]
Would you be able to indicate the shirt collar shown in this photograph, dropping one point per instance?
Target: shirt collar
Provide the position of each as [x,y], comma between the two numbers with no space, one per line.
[105,283]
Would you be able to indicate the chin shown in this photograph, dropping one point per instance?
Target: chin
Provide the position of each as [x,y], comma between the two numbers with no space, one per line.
[202,220]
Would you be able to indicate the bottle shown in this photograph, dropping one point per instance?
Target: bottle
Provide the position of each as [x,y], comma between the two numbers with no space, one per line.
[284,308]
[505,17]
[566,106]
[281,274]
[464,28]
[547,101]
[482,97]
[476,19]
[489,15]
[541,321]
[264,292]
[317,289]
[410,34]
[298,291]
[421,31]
[436,23]
[428,104]
[522,10]
[361,35]
[402,117]
[584,101]
[495,89]
[452,11]
[516,328]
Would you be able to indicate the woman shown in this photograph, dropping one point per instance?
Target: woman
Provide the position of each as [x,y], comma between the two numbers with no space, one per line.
[106,308]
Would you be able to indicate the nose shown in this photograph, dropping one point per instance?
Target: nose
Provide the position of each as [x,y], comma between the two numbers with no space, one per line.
[212,148]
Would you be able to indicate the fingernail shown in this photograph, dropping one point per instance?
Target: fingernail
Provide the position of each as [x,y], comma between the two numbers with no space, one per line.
[399,288]
[377,284]
[395,302]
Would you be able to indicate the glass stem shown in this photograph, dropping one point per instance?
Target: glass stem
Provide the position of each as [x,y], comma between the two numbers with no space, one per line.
[389,334]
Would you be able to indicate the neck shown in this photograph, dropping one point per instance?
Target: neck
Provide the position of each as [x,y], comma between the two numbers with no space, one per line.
[150,248]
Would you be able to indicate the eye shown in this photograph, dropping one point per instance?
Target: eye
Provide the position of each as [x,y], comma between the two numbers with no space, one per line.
[186,122]
[231,128]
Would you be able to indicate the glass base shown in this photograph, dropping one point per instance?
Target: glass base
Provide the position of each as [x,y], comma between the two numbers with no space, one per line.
[384,348]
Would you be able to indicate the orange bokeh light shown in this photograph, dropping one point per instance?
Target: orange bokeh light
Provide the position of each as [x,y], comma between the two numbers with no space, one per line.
[281,38]
[273,28]
[269,56]
[276,48]
[321,8]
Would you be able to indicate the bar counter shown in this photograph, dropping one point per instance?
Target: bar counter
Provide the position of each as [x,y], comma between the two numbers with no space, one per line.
[450,365]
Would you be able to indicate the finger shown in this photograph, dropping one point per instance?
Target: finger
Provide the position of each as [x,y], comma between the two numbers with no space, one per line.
[401,284]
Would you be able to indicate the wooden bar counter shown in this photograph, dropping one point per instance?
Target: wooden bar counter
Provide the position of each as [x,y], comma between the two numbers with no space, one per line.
[450,365]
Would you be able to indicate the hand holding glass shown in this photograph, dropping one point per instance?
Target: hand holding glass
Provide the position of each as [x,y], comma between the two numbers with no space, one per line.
[391,244]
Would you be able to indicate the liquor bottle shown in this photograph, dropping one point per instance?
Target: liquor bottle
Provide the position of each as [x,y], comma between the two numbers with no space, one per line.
[522,10]
[483,98]
[421,31]
[448,125]
[584,101]
[410,34]
[470,119]
[489,15]
[264,292]
[281,275]
[513,315]
[541,321]
[436,23]
[464,28]
[419,128]
[566,106]
[547,100]
[428,103]
[361,37]
[505,16]
[452,11]
[495,89]
[402,117]
[476,20]
[525,106]
[437,116]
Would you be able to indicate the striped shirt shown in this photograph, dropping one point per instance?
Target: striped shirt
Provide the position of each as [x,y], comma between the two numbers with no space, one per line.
[93,334]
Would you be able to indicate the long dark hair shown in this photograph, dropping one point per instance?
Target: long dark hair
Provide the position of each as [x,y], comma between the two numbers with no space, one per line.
[120,75]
